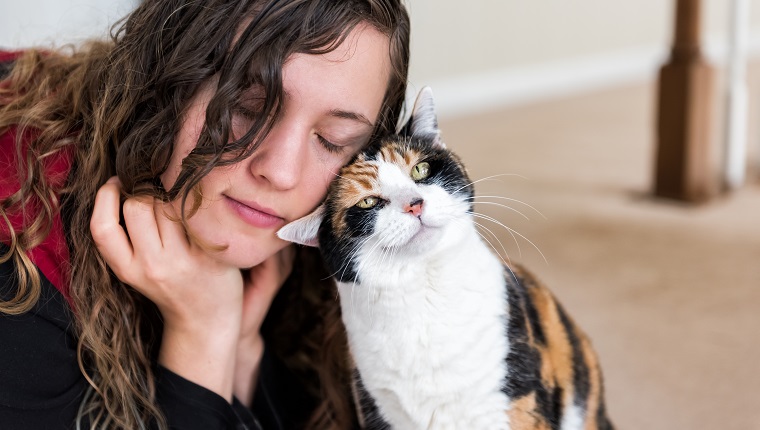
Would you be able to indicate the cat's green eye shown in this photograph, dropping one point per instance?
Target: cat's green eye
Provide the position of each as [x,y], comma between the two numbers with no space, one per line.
[368,202]
[421,171]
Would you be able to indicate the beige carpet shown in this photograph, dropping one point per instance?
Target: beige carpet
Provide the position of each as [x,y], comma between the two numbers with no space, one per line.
[669,294]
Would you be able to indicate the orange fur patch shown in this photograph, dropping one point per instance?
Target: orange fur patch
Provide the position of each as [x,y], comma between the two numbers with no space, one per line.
[557,354]
[522,414]
[359,179]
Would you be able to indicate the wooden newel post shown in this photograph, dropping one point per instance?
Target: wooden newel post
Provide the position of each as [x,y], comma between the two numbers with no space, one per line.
[684,169]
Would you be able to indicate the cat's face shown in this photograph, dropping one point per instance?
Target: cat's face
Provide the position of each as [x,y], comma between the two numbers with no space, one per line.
[403,196]
[397,201]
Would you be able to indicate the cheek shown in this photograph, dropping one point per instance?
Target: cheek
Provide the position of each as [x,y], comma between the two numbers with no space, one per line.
[315,183]
[313,194]
[169,177]
[190,130]
[183,145]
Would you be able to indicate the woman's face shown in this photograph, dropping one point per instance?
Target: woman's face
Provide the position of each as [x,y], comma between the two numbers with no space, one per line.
[331,105]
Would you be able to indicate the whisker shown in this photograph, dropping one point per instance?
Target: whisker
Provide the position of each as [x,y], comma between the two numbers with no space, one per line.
[514,276]
[367,256]
[510,199]
[488,178]
[508,261]
[353,255]
[505,207]
[344,265]
[506,254]
[387,254]
[488,218]
[514,238]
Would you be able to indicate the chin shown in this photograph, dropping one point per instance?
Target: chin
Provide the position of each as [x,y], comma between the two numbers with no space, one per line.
[425,239]
[242,258]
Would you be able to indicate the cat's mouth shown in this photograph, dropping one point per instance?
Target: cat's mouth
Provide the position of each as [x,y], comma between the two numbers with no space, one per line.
[425,232]
[420,240]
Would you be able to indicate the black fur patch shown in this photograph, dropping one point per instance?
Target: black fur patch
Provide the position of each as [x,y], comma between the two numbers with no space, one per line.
[446,173]
[339,248]
[549,405]
[602,421]
[373,420]
[361,222]
[446,170]
[535,323]
[372,150]
[335,251]
[580,369]
[523,360]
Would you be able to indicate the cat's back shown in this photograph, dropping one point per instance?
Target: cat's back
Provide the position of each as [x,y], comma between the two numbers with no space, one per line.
[554,379]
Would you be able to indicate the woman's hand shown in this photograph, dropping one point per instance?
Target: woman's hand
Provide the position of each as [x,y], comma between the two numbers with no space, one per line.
[200,299]
[261,285]
[155,257]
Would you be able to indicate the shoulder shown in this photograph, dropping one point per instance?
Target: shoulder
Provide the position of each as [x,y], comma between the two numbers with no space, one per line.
[536,308]
[39,366]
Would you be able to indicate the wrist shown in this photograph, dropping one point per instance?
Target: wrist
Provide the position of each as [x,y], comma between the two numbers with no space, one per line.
[203,355]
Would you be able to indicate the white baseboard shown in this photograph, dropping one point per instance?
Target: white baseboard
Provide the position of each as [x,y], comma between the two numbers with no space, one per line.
[481,92]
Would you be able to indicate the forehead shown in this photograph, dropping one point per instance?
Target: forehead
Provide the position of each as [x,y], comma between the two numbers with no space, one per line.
[353,77]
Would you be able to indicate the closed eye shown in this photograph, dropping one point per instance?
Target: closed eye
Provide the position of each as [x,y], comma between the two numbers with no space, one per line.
[329,146]
[246,113]
[243,119]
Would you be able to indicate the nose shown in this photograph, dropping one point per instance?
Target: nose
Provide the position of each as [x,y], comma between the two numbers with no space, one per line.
[281,156]
[414,207]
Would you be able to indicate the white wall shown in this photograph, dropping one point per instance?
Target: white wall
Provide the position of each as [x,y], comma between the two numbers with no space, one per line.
[476,54]
[55,23]
[492,53]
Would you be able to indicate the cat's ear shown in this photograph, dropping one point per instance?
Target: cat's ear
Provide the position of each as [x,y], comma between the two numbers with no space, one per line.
[304,231]
[424,122]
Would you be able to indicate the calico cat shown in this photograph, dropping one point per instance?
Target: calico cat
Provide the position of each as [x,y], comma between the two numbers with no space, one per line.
[443,334]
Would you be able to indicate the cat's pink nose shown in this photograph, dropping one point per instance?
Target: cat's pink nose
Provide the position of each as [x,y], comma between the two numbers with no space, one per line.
[414,208]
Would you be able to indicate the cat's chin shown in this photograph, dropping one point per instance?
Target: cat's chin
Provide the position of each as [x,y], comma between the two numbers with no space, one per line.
[422,241]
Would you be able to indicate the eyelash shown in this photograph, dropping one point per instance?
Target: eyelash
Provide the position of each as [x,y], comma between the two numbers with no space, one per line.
[246,113]
[329,146]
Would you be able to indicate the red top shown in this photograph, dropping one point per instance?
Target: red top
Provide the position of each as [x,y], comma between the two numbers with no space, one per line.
[9,55]
[52,255]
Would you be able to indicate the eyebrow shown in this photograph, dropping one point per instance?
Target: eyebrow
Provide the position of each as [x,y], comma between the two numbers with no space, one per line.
[352,116]
[340,113]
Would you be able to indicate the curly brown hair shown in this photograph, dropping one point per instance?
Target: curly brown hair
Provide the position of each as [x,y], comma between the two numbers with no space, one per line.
[117,105]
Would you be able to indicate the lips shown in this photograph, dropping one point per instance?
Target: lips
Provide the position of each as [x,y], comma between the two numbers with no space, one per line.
[255,215]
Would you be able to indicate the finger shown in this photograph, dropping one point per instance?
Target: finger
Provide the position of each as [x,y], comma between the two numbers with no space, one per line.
[110,238]
[142,229]
[170,229]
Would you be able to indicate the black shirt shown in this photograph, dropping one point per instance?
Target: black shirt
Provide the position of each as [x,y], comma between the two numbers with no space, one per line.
[41,385]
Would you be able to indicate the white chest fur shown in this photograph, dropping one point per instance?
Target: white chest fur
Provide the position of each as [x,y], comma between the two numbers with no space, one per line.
[428,337]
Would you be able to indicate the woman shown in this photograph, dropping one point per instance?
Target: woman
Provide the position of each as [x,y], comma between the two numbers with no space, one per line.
[143,300]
